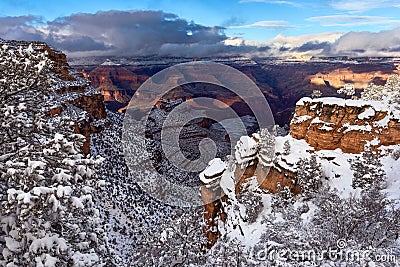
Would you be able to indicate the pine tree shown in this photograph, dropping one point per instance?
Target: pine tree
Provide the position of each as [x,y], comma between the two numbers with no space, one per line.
[316,94]
[282,199]
[266,145]
[179,242]
[286,148]
[367,170]
[392,84]
[228,252]
[309,175]
[378,92]
[348,90]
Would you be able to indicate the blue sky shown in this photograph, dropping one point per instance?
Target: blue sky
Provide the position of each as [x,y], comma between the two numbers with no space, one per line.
[258,20]
[252,19]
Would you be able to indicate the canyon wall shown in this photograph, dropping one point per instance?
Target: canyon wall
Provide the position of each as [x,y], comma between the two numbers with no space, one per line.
[318,124]
[331,123]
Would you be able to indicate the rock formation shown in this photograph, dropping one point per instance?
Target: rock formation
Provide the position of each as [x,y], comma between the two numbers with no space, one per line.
[116,83]
[318,124]
[340,76]
[331,123]
[219,176]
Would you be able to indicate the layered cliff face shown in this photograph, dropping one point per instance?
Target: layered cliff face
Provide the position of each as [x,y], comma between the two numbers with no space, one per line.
[331,123]
[360,77]
[116,83]
[331,130]
[222,181]
[74,94]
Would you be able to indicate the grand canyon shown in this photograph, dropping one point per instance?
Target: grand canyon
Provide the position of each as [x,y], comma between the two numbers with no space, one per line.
[249,133]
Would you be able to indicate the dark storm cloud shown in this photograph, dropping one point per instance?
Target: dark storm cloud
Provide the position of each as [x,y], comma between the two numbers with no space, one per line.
[82,44]
[310,46]
[158,33]
[138,32]
[119,33]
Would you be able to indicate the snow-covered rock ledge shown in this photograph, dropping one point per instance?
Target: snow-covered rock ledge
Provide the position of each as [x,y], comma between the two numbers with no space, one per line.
[330,123]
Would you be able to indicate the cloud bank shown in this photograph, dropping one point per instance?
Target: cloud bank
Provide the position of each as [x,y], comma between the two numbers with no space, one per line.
[143,33]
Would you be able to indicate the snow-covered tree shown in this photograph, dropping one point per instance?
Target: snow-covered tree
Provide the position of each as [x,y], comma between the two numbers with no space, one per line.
[286,148]
[250,198]
[316,94]
[48,217]
[370,221]
[309,175]
[377,92]
[348,90]
[396,154]
[392,83]
[228,252]
[179,241]
[282,199]
[266,145]
[372,92]
[367,170]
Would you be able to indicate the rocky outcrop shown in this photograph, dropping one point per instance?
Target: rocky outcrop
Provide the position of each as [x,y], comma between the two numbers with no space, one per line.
[269,180]
[325,124]
[213,184]
[331,123]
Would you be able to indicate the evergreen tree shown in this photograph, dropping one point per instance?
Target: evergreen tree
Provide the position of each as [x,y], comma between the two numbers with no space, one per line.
[286,148]
[377,92]
[228,252]
[348,90]
[282,199]
[316,94]
[367,170]
[266,144]
[309,175]
[180,242]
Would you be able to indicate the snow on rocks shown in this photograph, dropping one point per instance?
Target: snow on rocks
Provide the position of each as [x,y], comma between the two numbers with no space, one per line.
[367,113]
[245,149]
[214,169]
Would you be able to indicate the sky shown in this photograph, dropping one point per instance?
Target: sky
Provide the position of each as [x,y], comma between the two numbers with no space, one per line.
[207,27]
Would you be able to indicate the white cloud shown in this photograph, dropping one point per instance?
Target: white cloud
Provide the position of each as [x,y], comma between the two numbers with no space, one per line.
[353,20]
[281,45]
[296,41]
[277,2]
[383,43]
[363,5]
[269,24]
